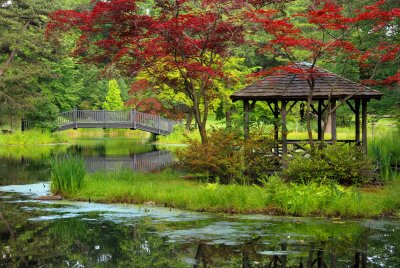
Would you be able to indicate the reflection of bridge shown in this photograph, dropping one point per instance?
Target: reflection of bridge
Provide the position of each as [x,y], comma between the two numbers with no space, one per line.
[138,162]
[114,119]
[110,119]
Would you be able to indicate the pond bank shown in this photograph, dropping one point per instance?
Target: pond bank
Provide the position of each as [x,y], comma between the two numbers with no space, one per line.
[274,197]
[58,233]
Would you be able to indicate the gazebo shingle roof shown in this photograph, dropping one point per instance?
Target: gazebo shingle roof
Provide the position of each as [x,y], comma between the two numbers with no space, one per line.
[291,86]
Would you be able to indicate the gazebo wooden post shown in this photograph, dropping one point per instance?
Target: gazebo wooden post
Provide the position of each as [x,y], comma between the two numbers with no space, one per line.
[284,128]
[357,123]
[320,102]
[364,126]
[333,120]
[276,118]
[246,109]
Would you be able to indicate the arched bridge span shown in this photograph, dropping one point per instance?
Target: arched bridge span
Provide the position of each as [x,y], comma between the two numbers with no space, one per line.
[114,119]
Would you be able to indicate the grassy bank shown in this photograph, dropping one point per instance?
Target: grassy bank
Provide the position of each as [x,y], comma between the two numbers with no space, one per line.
[273,197]
[33,137]
[38,137]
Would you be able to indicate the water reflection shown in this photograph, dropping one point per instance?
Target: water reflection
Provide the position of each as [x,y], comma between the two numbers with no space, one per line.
[80,234]
[31,164]
[151,161]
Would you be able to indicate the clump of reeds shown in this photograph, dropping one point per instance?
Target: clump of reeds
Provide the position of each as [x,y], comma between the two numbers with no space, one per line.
[385,150]
[67,174]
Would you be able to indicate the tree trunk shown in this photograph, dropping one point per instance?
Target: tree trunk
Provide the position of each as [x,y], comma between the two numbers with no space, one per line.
[189,119]
[12,54]
[203,133]
[308,122]
[200,124]
[308,117]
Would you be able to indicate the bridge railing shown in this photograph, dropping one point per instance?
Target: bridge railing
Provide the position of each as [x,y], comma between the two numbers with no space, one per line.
[118,119]
[65,118]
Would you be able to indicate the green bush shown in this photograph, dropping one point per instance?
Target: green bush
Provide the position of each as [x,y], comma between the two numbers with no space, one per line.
[345,165]
[228,158]
[67,174]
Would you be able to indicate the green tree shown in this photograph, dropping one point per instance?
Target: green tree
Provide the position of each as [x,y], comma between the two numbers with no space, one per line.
[31,67]
[113,100]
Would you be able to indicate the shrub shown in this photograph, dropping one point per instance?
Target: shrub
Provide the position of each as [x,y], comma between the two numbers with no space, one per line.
[67,174]
[227,157]
[345,165]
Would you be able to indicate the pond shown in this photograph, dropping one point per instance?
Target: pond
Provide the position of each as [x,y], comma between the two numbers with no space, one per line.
[81,234]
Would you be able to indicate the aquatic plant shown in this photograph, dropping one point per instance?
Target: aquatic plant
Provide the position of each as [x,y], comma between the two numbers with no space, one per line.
[67,174]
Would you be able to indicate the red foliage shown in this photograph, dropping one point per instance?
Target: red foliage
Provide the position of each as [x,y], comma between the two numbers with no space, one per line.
[394,79]
[336,27]
[188,36]
[329,17]
[195,37]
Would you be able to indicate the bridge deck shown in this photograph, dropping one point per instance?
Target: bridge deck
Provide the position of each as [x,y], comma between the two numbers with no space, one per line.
[114,119]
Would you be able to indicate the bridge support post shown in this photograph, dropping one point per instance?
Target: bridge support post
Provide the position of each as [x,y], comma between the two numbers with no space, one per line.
[22,124]
[133,119]
[153,137]
[105,119]
[159,124]
[75,118]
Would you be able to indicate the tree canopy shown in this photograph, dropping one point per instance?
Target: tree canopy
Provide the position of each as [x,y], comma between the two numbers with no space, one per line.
[185,52]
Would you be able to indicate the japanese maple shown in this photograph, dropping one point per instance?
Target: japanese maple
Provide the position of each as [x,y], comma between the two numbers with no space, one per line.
[194,38]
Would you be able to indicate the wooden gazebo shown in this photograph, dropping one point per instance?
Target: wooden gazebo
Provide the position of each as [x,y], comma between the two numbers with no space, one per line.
[282,89]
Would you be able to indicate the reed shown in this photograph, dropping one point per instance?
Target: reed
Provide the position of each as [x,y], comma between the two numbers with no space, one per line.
[385,150]
[67,173]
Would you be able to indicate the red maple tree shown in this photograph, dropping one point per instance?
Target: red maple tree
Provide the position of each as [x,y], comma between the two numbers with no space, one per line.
[192,37]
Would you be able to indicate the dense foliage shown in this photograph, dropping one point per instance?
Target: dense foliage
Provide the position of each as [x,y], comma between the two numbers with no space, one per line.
[194,53]
[345,165]
[113,100]
[228,158]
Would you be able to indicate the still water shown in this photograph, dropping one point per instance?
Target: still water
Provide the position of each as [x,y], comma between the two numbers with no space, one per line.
[80,234]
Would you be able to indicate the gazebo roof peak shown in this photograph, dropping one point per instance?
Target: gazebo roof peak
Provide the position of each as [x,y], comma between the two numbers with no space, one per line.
[287,85]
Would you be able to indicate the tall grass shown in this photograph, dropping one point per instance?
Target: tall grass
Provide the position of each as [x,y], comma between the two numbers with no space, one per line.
[67,173]
[385,150]
[179,135]
[32,137]
[274,196]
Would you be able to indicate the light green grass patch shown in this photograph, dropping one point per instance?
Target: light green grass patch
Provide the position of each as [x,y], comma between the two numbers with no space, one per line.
[33,137]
